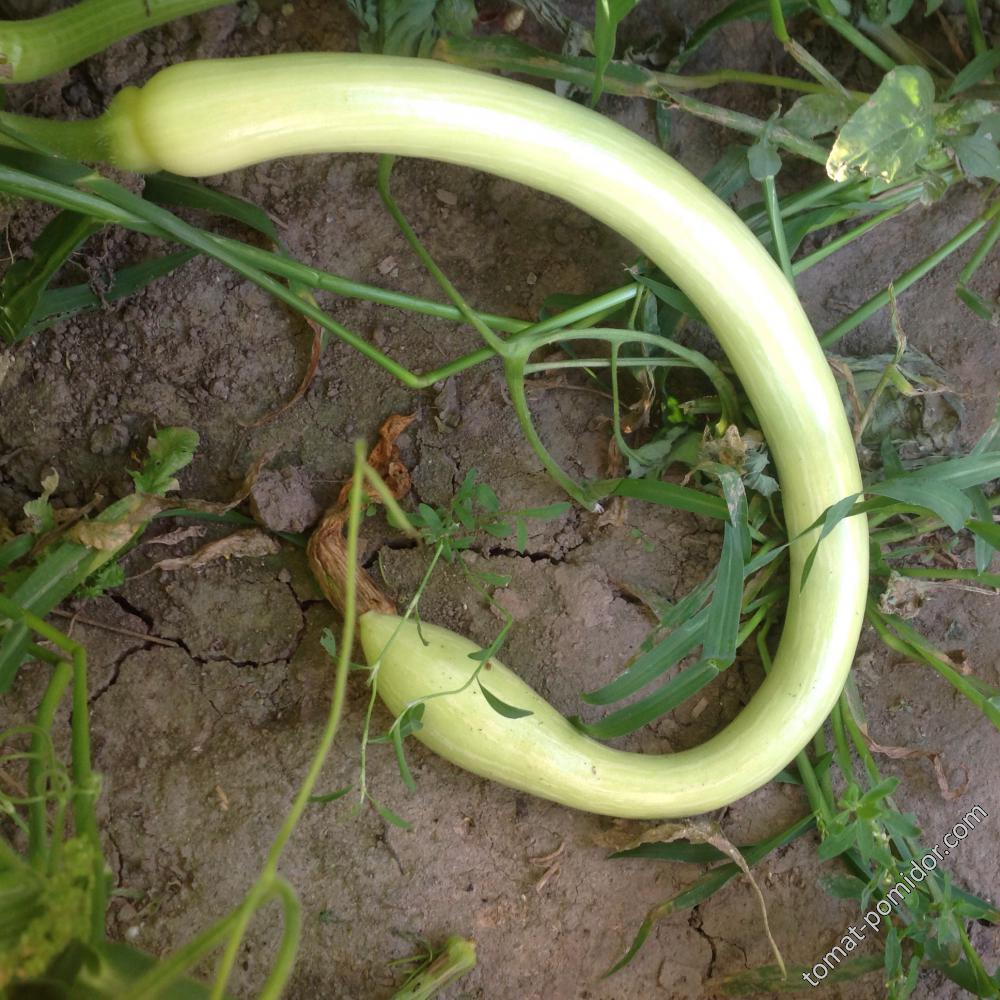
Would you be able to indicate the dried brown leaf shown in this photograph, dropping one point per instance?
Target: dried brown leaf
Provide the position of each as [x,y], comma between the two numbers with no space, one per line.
[177,536]
[910,753]
[708,832]
[250,543]
[107,536]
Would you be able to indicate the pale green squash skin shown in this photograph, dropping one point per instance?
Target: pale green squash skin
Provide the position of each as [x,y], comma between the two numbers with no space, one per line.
[205,118]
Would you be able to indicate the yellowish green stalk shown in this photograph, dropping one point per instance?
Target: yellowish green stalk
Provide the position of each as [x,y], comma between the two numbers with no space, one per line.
[40,46]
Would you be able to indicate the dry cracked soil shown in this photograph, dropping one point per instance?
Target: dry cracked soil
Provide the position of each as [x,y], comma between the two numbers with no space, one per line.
[208,700]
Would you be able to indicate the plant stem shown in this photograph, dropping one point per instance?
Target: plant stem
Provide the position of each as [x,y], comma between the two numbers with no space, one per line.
[748,125]
[917,527]
[385,165]
[900,49]
[898,636]
[251,261]
[941,573]
[778,22]
[514,371]
[620,78]
[974,262]
[81,140]
[908,278]
[40,46]
[839,242]
[979,44]
[281,970]
[849,33]
[842,747]
[777,229]
[39,764]
[267,880]
[164,972]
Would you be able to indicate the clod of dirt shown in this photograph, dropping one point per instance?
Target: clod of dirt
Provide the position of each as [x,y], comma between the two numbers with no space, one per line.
[109,438]
[283,500]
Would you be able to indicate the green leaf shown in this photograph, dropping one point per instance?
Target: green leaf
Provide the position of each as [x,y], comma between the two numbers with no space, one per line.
[724,610]
[58,304]
[108,577]
[607,16]
[491,579]
[487,498]
[653,662]
[39,511]
[754,476]
[974,469]
[769,979]
[986,530]
[984,514]
[108,970]
[499,529]
[67,565]
[897,11]
[674,692]
[329,643]
[431,519]
[170,450]
[670,295]
[664,494]
[817,114]
[843,886]
[763,160]
[739,10]
[730,173]
[330,796]
[547,513]
[17,548]
[404,769]
[676,850]
[169,189]
[890,132]
[411,27]
[25,280]
[389,816]
[501,707]
[836,842]
[412,720]
[976,70]
[521,536]
[827,521]
[893,955]
[978,153]
[949,503]
[709,884]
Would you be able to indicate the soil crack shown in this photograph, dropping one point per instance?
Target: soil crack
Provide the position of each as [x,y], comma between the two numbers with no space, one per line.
[695,923]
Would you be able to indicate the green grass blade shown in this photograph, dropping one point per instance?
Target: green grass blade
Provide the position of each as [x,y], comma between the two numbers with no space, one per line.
[607,16]
[723,621]
[649,665]
[676,691]
[25,281]
[182,192]
[769,979]
[740,10]
[59,304]
[664,494]
[950,504]
[972,73]
[710,883]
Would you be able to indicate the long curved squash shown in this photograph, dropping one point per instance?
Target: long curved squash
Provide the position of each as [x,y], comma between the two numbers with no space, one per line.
[207,117]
